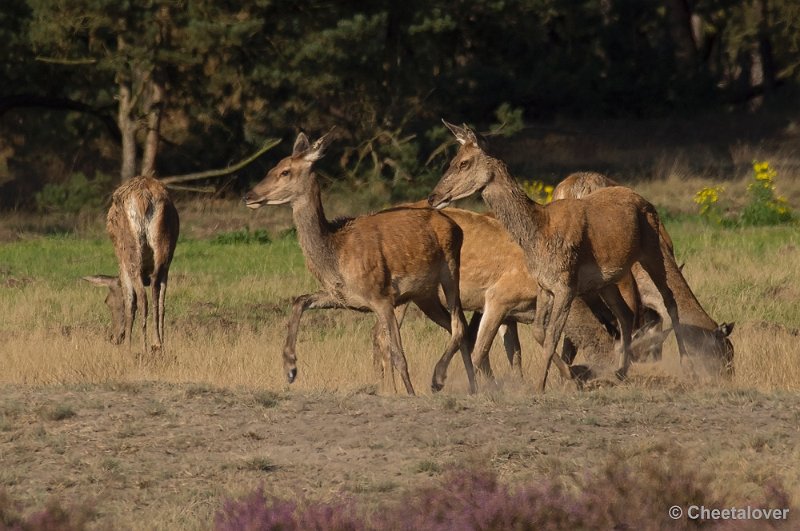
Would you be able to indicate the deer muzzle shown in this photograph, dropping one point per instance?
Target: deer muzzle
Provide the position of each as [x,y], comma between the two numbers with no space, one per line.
[438,202]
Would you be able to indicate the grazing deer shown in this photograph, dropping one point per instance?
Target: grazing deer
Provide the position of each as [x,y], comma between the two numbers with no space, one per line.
[572,247]
[702,335]
[498,287]
[368,263]
[143,225]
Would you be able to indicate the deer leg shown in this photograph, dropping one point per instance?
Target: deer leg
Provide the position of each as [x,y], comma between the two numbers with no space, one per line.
[486,333]
[382,358]
[561,302]
[438,314]
[381,350]
[472,336]
[155,292]
[388,323]
[660,268]
[141,303]
[544,307]
[616,303]
[458,327]
[510,335]
[568,351]
[316,300]
[159,292]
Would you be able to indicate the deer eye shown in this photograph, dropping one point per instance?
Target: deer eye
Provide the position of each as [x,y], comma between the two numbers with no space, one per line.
[285,173]
[464,164]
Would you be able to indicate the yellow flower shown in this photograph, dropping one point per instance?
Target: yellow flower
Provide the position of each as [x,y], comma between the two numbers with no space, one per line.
[763,172]
[708,195]
[538,191]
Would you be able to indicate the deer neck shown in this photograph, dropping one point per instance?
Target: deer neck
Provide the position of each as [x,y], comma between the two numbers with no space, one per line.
[315,235]
[523,218]
[690,312]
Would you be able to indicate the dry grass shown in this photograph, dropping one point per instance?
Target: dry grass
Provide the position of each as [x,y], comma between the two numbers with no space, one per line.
[227,307]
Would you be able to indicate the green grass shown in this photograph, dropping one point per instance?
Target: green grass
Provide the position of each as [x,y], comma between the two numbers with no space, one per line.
[239,279]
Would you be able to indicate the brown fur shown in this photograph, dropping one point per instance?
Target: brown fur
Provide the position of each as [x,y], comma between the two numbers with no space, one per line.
[572,247]
[495,282]
[369,263]
[143,225]
[703,335]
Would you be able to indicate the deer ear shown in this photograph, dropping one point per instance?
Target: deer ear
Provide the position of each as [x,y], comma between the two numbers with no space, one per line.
[317,150]
[470,135]
[725,329]
[458,132]
[301,145]
[101,280]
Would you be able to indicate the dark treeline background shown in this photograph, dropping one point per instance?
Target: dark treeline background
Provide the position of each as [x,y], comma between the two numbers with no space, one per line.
[95,91]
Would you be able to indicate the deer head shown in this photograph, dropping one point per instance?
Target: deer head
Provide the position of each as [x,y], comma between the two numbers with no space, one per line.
[469,171]
[115,303]
[292,176]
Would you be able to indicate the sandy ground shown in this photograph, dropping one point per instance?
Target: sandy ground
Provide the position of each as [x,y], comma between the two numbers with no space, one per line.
[150,455]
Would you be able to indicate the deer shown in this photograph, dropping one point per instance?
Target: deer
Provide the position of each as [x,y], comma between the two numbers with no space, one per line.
[143,224]
[703,335]
[497,286]
[370,263]
[572,247]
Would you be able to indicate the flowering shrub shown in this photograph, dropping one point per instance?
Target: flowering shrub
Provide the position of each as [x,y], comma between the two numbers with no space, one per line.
[538,191]
[620,496]
[764,206]
[708,201]
[258,511]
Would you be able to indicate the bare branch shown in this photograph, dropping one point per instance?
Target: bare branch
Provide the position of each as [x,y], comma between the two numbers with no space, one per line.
[65,61]
[196,189]
[269,144]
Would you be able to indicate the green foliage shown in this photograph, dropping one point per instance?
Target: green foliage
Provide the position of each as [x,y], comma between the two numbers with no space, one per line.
[76,194]
[509,119]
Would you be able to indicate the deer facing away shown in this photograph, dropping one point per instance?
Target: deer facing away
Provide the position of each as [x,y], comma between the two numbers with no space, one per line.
[368,263]
[143,225]
[572,247]
[703,336]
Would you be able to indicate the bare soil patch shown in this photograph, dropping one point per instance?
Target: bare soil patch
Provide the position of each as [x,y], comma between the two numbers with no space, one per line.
[159,456]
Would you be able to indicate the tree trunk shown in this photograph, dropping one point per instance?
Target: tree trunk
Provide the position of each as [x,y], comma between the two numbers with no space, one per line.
[765,49]
[153,111]
[127,129]
[679,17]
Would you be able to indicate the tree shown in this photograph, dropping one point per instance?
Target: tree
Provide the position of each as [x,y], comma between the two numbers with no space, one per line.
[145,55]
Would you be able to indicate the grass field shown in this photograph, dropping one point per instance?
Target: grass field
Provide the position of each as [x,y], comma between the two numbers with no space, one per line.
[158,444]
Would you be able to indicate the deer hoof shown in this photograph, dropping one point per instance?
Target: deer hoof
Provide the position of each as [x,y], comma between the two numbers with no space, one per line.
[621,374]
[291,375]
